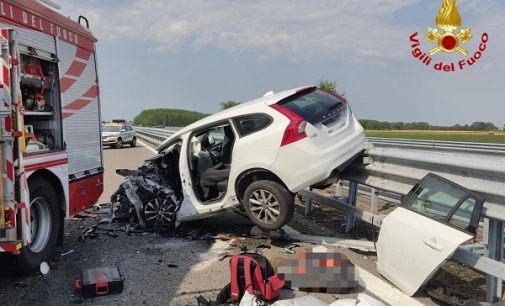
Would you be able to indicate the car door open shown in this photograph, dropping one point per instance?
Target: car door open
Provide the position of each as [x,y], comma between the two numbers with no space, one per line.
[415,239]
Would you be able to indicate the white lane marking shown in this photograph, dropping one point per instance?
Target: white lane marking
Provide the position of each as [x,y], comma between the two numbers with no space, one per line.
[147,146]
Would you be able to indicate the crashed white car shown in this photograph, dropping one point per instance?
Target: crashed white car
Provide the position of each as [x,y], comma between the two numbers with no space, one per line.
[259,154]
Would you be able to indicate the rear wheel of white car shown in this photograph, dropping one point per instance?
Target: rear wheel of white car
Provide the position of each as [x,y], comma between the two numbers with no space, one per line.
[134,142]
[268,204]
[44,225]
[119,143]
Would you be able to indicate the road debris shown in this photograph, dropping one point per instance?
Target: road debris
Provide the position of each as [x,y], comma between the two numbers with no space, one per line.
[44,268]
[361,300]
[361,245]
[289,249]
[66,253]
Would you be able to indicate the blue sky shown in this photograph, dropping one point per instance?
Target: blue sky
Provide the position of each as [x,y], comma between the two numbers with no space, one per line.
[194,54]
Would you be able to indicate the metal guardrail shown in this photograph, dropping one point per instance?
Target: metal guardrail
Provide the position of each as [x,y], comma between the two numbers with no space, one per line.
[395,165]
[154,136]
[440,145]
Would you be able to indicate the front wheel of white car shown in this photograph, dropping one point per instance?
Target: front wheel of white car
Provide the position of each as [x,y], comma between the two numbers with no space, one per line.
[268,204]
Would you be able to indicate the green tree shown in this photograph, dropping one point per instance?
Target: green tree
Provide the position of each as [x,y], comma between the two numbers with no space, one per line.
[478,126]
[228,104]
[330,86]
[167,117]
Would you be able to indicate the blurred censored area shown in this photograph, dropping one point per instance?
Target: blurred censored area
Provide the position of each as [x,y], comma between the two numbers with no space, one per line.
[318,270]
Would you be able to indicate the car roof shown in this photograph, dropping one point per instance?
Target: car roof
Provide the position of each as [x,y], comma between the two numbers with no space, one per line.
[241,109]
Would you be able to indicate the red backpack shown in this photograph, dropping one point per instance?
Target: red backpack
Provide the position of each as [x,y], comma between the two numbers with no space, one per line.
[254,273]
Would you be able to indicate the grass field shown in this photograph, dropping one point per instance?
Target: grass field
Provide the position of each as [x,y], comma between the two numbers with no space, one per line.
[469,136]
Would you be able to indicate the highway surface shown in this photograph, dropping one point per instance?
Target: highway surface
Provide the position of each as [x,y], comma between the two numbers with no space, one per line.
[158,270]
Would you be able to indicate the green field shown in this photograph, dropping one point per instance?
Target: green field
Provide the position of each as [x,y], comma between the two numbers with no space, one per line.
[469,136]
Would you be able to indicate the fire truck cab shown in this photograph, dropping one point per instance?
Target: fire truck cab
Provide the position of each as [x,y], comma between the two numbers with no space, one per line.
[50,127]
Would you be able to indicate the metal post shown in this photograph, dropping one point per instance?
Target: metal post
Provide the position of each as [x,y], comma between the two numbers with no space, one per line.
[308,203]
[340,189]
[351,200]
[495,249]
[485,231]
[374,200]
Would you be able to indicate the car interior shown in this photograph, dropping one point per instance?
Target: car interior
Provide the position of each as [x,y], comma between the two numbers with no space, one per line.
[210,160]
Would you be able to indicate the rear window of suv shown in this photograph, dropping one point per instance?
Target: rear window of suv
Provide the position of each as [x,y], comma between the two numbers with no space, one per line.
[314,105]
[252,123]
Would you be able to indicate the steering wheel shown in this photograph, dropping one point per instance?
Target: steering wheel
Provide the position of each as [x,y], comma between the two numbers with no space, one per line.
[216,151]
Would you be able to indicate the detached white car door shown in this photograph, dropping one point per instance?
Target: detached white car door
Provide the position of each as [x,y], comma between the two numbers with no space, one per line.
[417,237]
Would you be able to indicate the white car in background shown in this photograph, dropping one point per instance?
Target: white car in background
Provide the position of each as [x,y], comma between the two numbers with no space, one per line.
[259,154]
[117,135]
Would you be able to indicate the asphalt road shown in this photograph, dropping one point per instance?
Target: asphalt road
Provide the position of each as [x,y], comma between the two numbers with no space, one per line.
[157,270]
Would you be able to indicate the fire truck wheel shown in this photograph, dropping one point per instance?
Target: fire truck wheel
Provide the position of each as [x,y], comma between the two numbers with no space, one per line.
[44,225]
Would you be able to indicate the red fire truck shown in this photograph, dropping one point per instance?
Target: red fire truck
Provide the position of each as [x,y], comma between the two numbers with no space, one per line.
[50,138]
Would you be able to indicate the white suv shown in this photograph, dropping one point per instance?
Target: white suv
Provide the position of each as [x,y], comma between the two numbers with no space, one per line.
[118,135]
[260,153]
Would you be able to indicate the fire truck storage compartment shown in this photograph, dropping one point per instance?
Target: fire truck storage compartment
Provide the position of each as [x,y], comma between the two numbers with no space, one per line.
[41,100]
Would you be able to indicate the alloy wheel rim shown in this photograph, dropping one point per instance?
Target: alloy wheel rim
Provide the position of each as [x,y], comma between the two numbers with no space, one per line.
[264,206]
[159,212]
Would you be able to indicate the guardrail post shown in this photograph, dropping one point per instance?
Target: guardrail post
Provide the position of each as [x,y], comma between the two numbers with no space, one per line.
[485,232]
[308,203]
[340,189]
[351,200]
[374,200]
[495,249]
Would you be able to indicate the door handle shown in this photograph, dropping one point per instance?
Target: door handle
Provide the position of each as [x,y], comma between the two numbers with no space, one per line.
[432,243]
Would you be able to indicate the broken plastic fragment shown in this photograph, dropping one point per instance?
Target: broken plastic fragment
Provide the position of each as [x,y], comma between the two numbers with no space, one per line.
[44,268]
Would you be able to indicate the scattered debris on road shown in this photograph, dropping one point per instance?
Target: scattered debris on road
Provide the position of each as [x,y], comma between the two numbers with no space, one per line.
[361,245]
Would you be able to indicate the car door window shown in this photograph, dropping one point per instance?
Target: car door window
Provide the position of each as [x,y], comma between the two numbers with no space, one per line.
[123,129]
[249,124]
[462,217]
[445,202]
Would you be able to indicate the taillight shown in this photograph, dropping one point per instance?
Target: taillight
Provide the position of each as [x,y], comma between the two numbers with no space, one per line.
[296,128]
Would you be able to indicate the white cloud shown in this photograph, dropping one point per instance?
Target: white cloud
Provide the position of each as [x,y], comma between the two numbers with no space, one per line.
[298,30]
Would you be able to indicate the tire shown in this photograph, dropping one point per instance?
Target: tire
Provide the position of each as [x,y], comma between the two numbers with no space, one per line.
[278,199]
[45,217]
[134,142]
[119,143]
